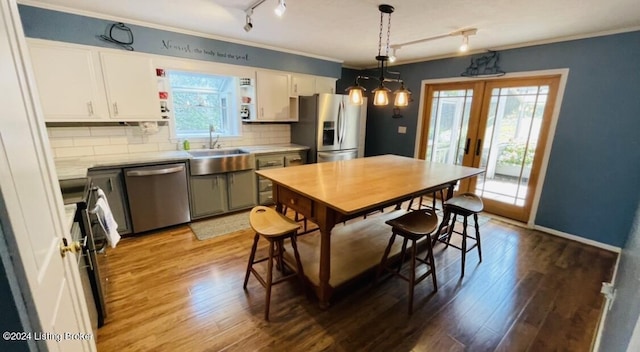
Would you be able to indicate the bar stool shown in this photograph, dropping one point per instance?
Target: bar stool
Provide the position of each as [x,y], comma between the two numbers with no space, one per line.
[465,205]
[275,228]
[412,226]
[434,198]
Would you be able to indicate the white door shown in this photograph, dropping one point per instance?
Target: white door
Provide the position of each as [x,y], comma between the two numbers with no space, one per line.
[33,203]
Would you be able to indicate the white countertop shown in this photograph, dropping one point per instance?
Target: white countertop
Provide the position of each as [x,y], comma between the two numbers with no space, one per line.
[77,167]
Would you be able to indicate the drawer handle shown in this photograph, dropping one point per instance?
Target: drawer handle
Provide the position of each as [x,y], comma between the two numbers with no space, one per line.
[292,201]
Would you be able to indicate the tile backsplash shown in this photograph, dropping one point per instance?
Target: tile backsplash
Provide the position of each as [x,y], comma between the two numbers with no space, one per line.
[108,140]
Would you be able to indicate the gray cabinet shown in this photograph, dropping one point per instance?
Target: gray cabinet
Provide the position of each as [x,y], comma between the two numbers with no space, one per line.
[208,195]
[112,184]
[270,161]
[241,189]
[220,193]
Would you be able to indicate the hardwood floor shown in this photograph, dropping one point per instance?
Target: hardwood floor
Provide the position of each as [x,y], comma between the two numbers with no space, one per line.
[169,291]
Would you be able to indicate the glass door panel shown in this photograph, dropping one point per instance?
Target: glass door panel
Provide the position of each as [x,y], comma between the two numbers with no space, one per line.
[513,123]
[451,124]
[448,126]
[498,125]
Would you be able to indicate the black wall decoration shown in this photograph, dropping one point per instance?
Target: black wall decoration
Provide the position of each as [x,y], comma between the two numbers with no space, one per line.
[484,66]
[119,34]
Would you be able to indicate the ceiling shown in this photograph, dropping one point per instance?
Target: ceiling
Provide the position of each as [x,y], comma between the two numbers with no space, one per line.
[347,30]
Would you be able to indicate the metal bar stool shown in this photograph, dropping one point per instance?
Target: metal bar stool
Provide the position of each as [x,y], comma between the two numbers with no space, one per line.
[465,205]
[275,228]
[412,226]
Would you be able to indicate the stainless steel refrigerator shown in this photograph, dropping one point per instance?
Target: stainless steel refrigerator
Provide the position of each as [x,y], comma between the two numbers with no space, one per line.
[330,126]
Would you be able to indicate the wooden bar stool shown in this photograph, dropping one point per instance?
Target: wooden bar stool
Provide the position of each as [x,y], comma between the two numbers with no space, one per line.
[465,205]
[275,228]
[412,226]
[434,198]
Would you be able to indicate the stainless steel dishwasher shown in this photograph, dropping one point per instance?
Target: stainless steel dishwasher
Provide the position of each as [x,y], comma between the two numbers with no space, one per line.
[157,196]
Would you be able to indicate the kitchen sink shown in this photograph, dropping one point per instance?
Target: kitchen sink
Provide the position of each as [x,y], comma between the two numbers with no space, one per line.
[215,152]
[215,161]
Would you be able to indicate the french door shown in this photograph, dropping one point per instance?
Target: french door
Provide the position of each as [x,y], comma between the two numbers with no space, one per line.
[499,125]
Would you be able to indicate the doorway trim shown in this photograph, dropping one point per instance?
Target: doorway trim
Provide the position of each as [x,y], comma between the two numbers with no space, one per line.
[563,73]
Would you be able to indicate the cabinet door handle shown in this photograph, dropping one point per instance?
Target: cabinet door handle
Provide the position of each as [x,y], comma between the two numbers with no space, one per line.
[232,178]
[90,107]
[478,143]
[466,146]
[110,185]
[295,88]
[115,108]
[261,112]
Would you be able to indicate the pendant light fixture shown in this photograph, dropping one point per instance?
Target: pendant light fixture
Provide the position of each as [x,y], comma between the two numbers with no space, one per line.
[381,93]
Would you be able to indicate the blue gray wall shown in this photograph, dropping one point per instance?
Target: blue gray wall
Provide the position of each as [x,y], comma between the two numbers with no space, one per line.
[592,184]
[625,311]
[65,27]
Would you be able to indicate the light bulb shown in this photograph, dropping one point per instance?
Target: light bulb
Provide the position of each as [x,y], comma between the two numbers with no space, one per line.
[402,96]
[381,96]
[355,96]
[465,44]
[392,58]
[281,8]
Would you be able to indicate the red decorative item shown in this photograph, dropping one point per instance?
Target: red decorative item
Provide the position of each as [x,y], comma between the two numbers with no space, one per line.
[159,72]
[163,95]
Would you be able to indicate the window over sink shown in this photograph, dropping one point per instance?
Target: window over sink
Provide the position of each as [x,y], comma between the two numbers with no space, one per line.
[202,100]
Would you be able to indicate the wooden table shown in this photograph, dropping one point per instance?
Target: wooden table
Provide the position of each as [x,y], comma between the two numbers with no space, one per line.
[333,192]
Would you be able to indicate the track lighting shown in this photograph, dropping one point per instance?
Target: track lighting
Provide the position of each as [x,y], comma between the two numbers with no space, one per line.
[392,57]
[248,25]
[281,8]
[465,33]
[465,44]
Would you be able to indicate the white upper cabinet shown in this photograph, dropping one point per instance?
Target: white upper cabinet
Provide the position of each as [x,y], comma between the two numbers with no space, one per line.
[309,85]
[325,85]
[303,85]
[131,86]
[82,84]
[272,95]
[69,85]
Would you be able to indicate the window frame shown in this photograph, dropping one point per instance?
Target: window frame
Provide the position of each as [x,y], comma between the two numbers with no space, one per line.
[208,68]
[233,123]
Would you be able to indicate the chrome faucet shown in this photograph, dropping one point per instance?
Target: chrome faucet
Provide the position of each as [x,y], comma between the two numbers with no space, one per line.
[212,143]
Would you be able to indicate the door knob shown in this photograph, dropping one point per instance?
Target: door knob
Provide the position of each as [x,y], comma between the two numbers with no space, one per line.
[65,247]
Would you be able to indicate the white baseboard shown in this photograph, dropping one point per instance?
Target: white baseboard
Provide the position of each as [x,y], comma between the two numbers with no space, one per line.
[595,346]
[604,246]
